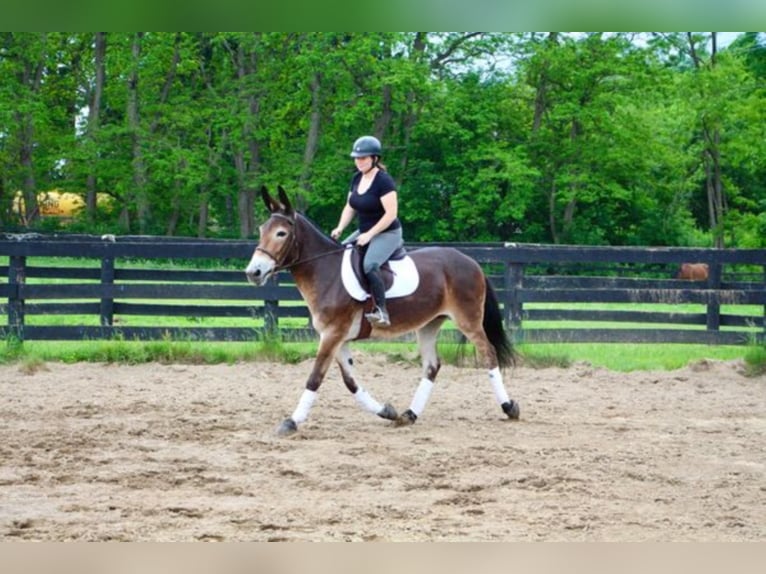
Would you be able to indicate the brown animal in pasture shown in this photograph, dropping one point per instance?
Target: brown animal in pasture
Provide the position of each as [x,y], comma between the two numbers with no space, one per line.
[693,271]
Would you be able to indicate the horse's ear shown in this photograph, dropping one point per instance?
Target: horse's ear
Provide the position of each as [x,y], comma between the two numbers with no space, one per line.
[271,203]
[286,205]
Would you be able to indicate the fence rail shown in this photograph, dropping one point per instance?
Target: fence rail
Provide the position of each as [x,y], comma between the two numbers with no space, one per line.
[543,290]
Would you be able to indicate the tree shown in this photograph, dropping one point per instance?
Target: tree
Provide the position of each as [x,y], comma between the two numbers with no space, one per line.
[726,134]
[571,138]
[587,138]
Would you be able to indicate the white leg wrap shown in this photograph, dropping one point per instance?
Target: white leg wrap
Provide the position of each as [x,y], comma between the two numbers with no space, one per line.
[366,401]
[421,396]
[497,385]
[301,412]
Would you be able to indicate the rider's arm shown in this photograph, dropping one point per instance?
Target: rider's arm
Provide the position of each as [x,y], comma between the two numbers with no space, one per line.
[391,209]
[346,216]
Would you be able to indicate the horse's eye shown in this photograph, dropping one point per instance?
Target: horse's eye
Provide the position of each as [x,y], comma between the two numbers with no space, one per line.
[281,233]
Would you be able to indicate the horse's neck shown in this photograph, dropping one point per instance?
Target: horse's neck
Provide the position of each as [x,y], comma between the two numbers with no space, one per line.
[319,259]
[313,241]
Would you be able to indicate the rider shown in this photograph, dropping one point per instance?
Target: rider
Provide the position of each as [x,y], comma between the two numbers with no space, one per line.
[373,199]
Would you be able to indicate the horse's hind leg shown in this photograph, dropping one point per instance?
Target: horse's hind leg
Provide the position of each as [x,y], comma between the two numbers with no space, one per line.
[509,406]
[485,348]
[365,399]
[430,362]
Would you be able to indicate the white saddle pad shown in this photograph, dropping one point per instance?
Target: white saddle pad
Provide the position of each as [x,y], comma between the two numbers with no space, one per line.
[406,278]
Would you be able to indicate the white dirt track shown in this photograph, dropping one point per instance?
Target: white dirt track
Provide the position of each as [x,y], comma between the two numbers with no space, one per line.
[188,452]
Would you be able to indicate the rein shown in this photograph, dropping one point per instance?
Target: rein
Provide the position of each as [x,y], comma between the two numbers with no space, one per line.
[279,266]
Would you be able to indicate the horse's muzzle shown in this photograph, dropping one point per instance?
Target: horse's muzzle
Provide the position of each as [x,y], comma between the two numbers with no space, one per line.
[257,278]
[258,274]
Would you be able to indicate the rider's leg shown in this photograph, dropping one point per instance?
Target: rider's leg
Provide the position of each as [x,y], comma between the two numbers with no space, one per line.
[379,315]
[379,250]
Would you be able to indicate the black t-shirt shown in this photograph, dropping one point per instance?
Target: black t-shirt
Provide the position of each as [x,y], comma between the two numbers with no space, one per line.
[368,206]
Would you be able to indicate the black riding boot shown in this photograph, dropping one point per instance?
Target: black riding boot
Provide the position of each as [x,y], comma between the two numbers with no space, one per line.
[379,315]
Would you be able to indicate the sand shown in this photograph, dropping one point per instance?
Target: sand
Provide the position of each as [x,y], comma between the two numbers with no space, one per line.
[98,452]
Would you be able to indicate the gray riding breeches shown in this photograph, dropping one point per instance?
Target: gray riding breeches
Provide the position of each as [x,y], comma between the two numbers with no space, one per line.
[381,248]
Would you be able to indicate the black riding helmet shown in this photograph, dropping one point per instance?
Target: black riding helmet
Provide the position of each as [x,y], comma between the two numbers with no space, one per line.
[366,146]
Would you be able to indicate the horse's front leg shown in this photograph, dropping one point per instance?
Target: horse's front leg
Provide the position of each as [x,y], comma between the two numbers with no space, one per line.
[328,345]
[365,399]
[429,357]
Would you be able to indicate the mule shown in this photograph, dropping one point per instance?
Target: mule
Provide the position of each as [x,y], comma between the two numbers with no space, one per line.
[451,285]
[693,271]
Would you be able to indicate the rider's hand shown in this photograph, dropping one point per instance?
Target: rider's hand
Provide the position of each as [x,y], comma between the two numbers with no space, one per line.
[364,239]
[335,233]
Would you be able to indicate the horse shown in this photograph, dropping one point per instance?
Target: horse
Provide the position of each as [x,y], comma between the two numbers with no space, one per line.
[451,286]
[693,271]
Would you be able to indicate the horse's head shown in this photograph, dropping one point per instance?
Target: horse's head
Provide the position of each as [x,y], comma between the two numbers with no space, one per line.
[276,244]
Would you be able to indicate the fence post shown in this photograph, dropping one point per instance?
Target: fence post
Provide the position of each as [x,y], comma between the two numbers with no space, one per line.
[714,307]
[16,277]
[107,304]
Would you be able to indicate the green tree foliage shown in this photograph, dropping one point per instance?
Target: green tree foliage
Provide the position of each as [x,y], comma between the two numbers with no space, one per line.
[642,139]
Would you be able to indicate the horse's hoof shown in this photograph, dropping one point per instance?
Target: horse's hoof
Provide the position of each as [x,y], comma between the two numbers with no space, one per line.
[287,427]
[388,412]
[511,408]
[407,418]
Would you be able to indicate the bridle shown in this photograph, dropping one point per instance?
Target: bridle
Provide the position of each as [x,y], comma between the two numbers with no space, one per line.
[291,246]
[278,266]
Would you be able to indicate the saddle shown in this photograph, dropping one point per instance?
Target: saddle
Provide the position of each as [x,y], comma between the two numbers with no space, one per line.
[399,274]
[357,258]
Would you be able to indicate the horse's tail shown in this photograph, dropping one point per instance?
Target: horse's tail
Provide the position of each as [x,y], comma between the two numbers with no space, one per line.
[493,328]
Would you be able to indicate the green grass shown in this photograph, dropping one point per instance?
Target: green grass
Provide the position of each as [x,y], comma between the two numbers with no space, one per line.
[136,352]
[627,357]
[755,361]
[614,357]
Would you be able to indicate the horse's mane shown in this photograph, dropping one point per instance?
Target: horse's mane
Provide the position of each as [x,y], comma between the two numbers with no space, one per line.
[311,223]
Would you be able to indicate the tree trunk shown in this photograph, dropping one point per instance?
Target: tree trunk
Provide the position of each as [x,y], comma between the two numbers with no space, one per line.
[568,219]
[31,77]
[169,79]
[540,107]
[204,214]
[134,126]
[711,156]
[714,186]
[542,89]
[175,216]
[552,211]
[176,203]
[29,186]
[94,118]
[312,140]
[246,167]
[384,121]
[412,108]
[245,199]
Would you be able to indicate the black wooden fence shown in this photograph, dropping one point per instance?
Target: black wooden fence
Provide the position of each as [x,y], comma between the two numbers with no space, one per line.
[197,290]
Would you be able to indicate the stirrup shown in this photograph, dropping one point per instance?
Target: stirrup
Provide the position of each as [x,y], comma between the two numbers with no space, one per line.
[378,317]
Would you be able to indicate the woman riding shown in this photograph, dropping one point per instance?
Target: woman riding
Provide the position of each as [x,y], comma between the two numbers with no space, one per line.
[373,199]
